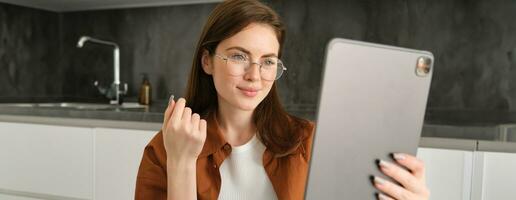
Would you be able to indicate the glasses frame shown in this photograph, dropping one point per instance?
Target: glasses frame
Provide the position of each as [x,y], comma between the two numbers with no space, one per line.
[226,58]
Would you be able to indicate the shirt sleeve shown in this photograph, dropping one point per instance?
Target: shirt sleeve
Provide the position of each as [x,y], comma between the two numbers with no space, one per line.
[151,181]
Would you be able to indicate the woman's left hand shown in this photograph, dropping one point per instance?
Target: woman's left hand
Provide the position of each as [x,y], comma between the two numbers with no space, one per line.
[413,181]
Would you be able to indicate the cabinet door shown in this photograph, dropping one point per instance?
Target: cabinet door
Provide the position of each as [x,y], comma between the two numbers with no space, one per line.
[499,176]
[448,173]
[14,197]
[44,159]
[118,153]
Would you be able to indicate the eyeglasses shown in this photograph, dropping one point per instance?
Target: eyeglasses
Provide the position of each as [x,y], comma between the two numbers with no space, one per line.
[271,68]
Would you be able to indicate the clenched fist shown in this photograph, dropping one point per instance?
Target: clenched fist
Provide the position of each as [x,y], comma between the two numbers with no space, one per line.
[184,133]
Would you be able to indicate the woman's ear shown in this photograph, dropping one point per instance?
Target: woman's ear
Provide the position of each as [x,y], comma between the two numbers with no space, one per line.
[207,65]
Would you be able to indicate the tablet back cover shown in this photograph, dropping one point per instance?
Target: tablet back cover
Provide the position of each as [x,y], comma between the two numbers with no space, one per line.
[372,103]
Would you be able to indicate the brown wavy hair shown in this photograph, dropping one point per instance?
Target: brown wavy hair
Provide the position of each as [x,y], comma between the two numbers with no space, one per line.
[280,132]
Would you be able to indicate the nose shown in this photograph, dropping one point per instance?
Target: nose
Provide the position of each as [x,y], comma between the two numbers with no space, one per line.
[253,73]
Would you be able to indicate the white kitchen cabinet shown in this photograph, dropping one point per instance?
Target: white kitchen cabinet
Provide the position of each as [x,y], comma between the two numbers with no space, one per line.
[448,173]
[46,159]
[118,153]
[69,162]
[65,162]
[14,197]
[498,176]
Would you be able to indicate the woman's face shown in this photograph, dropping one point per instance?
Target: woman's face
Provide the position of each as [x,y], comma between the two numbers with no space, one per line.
[258,42]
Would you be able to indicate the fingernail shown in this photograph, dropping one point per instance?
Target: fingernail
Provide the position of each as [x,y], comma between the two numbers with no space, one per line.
[384,164]
[379,180]
[170,99]
[382,196]
[399,156]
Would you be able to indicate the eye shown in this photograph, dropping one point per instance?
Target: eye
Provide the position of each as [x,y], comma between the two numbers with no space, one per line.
[269,61]
[238,57]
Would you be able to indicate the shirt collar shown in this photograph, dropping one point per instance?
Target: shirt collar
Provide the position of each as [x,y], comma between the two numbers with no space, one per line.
[216,141]
[214,138]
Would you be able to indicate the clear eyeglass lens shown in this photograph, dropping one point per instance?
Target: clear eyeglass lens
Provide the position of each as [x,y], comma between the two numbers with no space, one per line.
[270,68]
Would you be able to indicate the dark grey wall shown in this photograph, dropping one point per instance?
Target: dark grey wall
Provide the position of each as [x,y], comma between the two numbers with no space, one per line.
[159,41]
[29,52]
[473,41]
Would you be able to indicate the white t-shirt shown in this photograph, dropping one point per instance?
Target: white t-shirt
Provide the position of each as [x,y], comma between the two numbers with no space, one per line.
[243,175]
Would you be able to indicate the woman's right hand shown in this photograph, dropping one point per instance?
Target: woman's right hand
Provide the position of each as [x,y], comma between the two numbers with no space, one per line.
[184,133]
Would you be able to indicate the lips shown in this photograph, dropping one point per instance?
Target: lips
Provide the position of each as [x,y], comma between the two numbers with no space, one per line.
[249,91]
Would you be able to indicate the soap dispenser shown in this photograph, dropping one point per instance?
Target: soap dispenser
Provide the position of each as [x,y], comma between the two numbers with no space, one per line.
[145,91]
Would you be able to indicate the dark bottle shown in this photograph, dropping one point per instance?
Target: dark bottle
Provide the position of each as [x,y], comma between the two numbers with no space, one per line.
[145,95]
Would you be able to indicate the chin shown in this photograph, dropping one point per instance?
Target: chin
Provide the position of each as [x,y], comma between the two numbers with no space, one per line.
[247,106]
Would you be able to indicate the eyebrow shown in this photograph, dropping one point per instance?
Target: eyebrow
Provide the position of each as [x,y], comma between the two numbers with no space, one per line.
[249,53]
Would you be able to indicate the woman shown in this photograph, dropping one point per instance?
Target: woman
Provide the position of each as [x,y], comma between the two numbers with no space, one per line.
[230,138]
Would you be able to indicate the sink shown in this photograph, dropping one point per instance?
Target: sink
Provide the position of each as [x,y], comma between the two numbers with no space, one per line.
[75,105]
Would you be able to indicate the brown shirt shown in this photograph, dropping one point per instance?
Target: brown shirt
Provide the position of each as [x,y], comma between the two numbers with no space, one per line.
[287,173]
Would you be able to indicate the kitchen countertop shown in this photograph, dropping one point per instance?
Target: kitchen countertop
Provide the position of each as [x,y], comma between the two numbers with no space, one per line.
[473,130]
[78,122]
[150,113]
[426,141]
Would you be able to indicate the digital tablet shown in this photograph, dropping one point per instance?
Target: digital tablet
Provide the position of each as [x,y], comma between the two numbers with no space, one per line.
[372,103]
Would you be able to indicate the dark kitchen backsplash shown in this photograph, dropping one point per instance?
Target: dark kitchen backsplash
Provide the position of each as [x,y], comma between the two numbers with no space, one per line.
[473,42]
[30,49]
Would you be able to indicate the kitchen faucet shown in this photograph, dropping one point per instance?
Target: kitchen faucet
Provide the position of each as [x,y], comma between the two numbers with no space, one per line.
[113,92]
